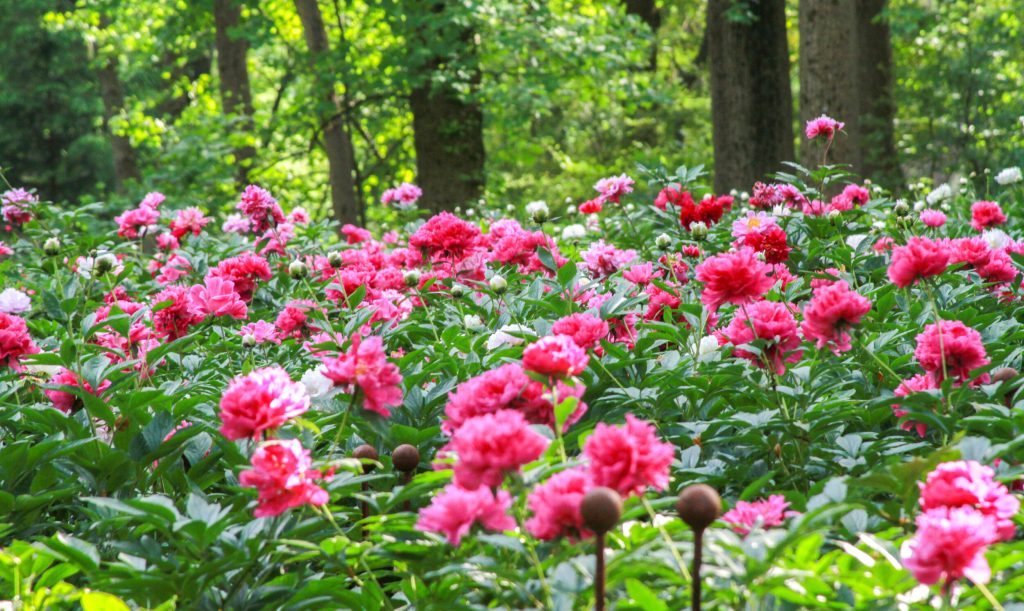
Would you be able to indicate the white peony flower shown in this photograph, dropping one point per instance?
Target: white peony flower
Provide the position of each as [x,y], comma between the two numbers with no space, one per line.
[473,322]
[503,337]
[573,232]
[317,384]
[1009,176]
[997,239]
[940,193]
[13,301]
[538,207]
[708,346]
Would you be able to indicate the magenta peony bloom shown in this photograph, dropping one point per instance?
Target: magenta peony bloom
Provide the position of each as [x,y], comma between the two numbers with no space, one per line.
[453,512]
[603,260]
[823,126]
[628,458]
[492,445]
[177,314]
[950,544]
[753,222]
[613,188]
[218,298]
[260,401]
[933,218]
[769,242]
[969,484]
[764,513]
[918,383]
[584,329]
[260,331]
[281,472]
[733,277]
[920,258]
[556,356]
[190,220]
[772,322]
[68,402]
[950,348]
[641,274]
[295,321]
[986,214]
[355,235]
[16,206]
[831,311]
[366,368]
[403,196]
[556,505]
[262,209]
[446,235]
[15,341]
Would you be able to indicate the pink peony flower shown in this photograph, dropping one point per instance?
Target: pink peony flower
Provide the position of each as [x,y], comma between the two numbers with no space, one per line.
[831,311]
[933,218]
[261,331]
[883,244]
[236,223]
[298,216]
[556,505]
[772,322]
[970,484]
[823,126]
[628,458]
[753,222]
[641,274]
[190,220]
[492,445]
[764,513]
[167,241]
[584,329]
[453,512]
[603,260]
[985,215]
[733,277]
[355,235]
[244,270]
[403,196]
[260,401]
[920,258]
[16,206]
[262,209]
[68,402]
[613,188]
[218,298]
[675,196]
[446,235]
[917,383]
[131,221]
[556,356]
[281,472]
[950,348]
[950,543]
[173,312]
[366,368]
[294,320]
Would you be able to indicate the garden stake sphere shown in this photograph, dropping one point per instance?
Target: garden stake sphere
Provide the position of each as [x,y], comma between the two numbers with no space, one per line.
[601,509]
[699,506]
[406,458]
[1004,374]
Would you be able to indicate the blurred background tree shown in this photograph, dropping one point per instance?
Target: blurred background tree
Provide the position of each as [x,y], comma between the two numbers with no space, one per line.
[329,102]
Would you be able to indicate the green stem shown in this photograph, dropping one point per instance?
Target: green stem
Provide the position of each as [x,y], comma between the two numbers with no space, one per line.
[988,596]
[668,540]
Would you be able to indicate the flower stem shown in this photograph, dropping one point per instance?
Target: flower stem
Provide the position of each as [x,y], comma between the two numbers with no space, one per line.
[668,540]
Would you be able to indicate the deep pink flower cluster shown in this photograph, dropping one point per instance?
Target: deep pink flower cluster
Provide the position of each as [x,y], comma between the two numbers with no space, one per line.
[950,348]
[261,208]
[823,126]
[446,235]
[933,218]
[510,244]
[365,368]
[556,356]
[217,298]
[66,401]
[488,447]
[173,312]
[244,271]
[832,310]
[454,512]
[610,189]
[556,505]
[920,258]
[404,195]
[737,277]
[603,260]
[260,401]
[964,511]
[190,220]
[986,214]
[764,513]
[770,321]
[282,473]
[16,206]
[143,216]
[628,458]
[15,341]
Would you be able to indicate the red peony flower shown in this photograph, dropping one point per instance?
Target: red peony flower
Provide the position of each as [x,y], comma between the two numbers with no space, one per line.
[454,512]
[733,277]
[556,356]
[15,341]
[446,235]
[260,401]
[769,241]
[556,505]
[772,322]
[628,458]
[244,270]
[281,472]
[764,513]
[986,214]
[177,314]
[294,320]
[950,348]
[584,329]
[970,484]
[365,366]
[831,311]
[492,445]
[920,258]
[675,196]
[190,220]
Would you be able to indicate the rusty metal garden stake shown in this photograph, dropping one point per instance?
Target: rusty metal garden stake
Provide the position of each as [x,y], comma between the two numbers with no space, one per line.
[366,452]
[699,506]
[600,509]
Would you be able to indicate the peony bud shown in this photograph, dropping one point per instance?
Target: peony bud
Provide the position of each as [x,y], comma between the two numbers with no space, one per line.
[458,290]
[104,263]
[473,322]
[538,211]
[334,258]
[297,269]
[51,247]
[901,208]
[498,284]
[412,277]
[663,241]
[248,341]
[699,230]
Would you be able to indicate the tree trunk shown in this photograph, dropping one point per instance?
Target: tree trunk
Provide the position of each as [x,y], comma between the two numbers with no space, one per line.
[235,93]
[878,107]
[337,142]
[126,166]
[647,10]
[751,101]
[448,130]
[829,77]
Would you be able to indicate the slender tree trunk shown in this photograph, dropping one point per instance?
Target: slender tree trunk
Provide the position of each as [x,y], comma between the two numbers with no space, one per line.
[878,106]
[337,142]
[126,166]
[235,92]
[829,77]
[647,10]
[447,127]
[751,101]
